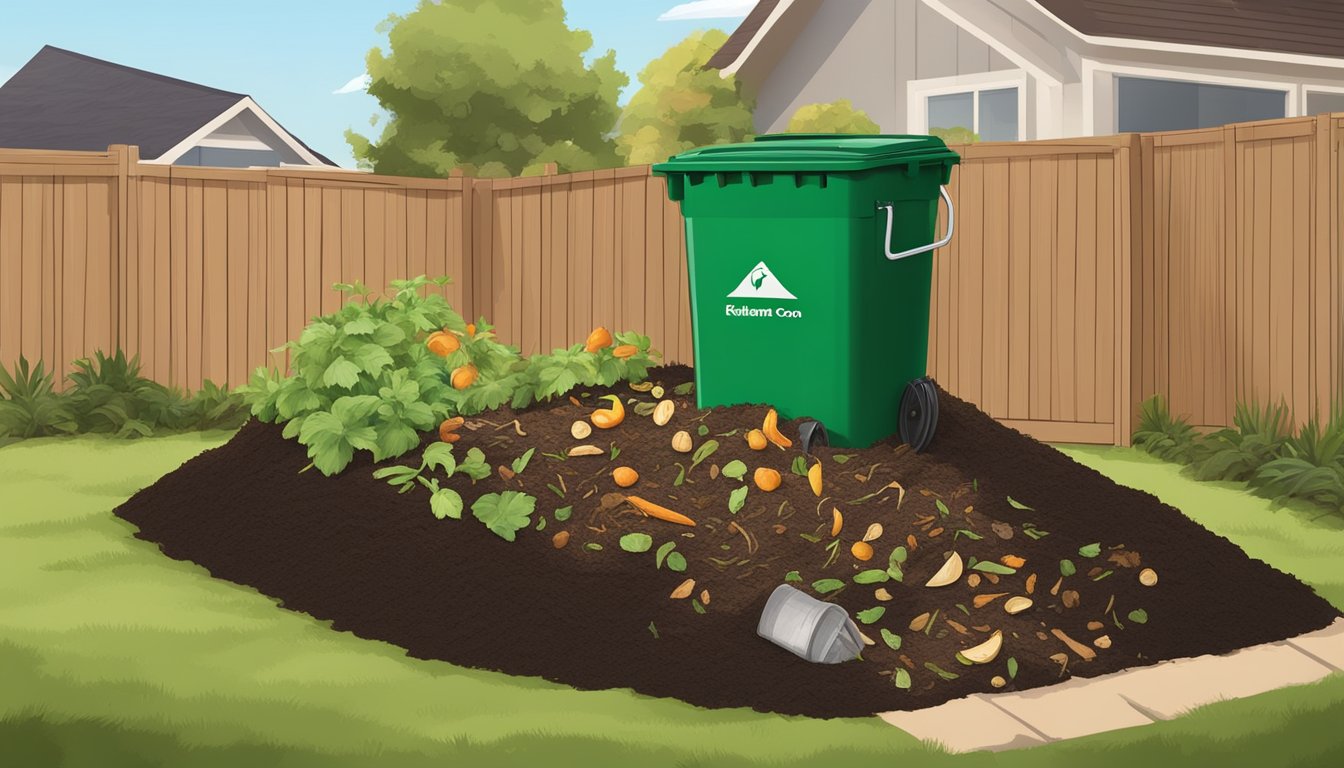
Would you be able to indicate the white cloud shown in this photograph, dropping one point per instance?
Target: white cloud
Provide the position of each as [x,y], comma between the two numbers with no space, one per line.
[709,9]
[355,85]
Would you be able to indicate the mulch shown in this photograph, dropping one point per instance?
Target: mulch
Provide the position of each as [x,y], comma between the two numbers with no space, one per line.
[375,563]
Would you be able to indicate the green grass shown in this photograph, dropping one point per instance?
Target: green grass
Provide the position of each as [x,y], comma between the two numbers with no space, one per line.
[112,654]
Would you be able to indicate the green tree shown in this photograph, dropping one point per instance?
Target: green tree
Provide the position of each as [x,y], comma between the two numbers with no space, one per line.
[494,87]
[681,105]
[835,117]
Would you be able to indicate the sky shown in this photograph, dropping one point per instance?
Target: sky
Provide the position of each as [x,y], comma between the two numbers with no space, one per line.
[292,56]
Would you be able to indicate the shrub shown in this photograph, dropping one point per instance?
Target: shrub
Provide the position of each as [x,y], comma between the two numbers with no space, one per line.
[1162,435]
[838,116]
[1236,454]
[30,406]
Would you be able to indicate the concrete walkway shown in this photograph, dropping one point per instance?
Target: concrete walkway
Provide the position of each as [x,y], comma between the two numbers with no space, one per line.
[1133,697]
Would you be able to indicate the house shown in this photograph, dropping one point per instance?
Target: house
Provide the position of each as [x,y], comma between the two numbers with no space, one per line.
[1042,69]
[67,101]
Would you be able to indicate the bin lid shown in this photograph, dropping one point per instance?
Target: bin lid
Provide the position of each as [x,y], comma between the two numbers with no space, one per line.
[788,152]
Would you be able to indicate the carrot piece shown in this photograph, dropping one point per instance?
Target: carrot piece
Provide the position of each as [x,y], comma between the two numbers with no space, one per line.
[660,512]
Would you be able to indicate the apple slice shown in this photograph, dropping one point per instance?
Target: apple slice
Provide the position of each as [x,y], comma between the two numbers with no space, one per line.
[986,651]
[948,574]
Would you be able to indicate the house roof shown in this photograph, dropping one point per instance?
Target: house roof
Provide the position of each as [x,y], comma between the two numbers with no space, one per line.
[1302,27]
[1312,27]
[741,37]
[66,100]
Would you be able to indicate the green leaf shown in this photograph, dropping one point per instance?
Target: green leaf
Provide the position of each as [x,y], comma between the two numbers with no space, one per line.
[676,562]
[520,463]
[341,373]
[988,566]
[705,450]
[792,576]
[871,576]
[901,679]
[872,614]
[447,503]
[636,542]
[362,326]
[1090,550]
[827,586]
[1102,575]
[737,499]
[702,430]
[662,553]
[734,469]
[388,335]
[939,671]
[1012,668]
[892,639]
[799,466]
[474,465]
[505,514]
[1015,504]
[841,458]
[1138,616]
[439,456]
[541,524]
[809,537]
[697,606]
[373,358]
[684,389]
[972,535]
[593,546]
[562,514]
[898,556]
[1067,568]
[556,490]
[681,476]
[942,508]
[653,630]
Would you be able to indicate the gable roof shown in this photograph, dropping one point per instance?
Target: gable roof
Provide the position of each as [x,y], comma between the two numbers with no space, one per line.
[66,100]
[1312,27]
[1306,28]
[741,37]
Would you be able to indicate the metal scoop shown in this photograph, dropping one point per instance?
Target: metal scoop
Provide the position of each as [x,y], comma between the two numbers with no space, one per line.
[809,628]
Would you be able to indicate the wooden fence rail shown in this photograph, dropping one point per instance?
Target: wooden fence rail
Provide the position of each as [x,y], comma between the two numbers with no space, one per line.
[1085,274]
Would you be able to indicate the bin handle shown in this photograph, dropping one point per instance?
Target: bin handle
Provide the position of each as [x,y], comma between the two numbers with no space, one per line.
[947,238]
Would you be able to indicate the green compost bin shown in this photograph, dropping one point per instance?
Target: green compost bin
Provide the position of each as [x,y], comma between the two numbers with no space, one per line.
[810,261]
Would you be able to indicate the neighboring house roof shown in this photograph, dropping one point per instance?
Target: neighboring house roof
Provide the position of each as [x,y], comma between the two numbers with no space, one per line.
[1300,27]
[65,100]
[1313,27]
[742,36]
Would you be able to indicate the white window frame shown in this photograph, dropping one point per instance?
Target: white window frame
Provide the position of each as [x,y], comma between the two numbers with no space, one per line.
[919,91]
[1293,103]
[1309,89]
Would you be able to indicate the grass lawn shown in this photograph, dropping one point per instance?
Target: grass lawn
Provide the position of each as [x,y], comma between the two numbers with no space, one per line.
[112,654]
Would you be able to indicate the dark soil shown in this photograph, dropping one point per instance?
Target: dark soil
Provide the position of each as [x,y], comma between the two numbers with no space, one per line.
[351,550]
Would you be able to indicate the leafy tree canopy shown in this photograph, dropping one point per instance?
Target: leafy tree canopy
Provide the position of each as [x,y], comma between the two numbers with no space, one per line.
[494,87]
[681,105]
[834,117]
[957,135]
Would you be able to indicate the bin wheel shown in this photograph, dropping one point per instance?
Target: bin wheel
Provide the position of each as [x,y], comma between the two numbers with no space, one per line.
[919,413]
[811,434]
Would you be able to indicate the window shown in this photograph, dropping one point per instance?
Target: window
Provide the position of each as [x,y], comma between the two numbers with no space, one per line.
[1319,102]
[1146,104]
[220,157]
[991,114]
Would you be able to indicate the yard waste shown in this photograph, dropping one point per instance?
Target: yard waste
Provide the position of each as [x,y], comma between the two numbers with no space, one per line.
[1051,554]
[822,243]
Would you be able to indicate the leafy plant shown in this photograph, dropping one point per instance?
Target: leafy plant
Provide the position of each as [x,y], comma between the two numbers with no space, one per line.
[375,348]
[1166,437]
[504,513]
[1236,454]
[30,406]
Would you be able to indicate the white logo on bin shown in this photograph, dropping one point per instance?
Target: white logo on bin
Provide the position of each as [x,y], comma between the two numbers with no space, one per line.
[761,283]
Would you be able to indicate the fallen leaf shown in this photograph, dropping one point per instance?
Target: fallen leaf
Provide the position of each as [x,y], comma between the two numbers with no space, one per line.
[1094,625]
[920,622]
[704,596]
[506,473]
[981,601]
[1082,650]
[683,590]
[1031,583]
[1013,561]
[1125,559]
[1069,598]
[882,594]
[960,628]
[1002,530]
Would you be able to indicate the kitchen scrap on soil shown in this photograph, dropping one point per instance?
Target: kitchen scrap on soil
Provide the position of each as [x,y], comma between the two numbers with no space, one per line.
[991,562]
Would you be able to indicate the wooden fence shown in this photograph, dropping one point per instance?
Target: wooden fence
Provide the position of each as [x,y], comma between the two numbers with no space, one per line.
[1085,274]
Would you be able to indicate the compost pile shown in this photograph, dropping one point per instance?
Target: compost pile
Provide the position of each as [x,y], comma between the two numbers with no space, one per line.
[989,562]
